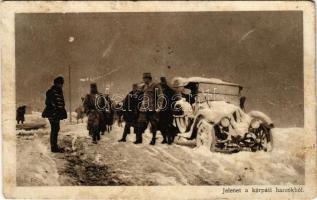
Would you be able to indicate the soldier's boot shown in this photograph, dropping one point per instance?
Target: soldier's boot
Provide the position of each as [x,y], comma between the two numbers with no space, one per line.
[165,139]
[54,149]
[153,139]
[170,140]
[138,138]
[138,133]
[94,138]
[126,131]
[124,136]
[58,150]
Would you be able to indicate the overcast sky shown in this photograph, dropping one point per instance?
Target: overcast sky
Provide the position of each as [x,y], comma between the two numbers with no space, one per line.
[263,51]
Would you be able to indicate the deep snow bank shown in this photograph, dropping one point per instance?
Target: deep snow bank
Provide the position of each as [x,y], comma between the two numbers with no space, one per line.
[35,166]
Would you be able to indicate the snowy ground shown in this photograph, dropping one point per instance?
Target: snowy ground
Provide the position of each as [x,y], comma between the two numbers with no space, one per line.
[113,163]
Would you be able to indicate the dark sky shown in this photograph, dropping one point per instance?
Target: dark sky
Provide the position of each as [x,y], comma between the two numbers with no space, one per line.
[263,51]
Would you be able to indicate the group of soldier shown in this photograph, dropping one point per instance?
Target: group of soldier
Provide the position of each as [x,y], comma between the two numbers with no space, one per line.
[141,107]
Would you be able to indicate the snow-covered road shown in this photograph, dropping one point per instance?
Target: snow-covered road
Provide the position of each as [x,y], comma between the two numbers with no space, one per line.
[113,163]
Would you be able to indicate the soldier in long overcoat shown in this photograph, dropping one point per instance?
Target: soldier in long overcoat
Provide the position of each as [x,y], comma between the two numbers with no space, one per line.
[149,108]
[20,114]
[130,111]
[93,105]
[166,113]
[55,111]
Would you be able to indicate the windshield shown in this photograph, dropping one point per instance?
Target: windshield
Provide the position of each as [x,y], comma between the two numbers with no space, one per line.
[216,92]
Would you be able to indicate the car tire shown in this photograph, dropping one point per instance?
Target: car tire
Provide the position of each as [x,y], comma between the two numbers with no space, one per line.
[268,145]
[205,135]
[264,138]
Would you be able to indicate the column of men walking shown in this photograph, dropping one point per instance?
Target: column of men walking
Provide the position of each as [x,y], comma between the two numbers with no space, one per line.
[141,107]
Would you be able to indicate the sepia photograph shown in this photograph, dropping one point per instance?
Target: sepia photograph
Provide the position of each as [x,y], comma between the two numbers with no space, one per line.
[233,88]
[162,98]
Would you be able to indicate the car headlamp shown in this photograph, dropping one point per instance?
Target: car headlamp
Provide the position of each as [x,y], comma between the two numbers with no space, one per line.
[255,124]
[225,122]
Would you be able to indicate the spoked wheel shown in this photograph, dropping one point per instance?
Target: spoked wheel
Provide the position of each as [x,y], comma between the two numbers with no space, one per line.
[264,139]
[205,135]
[267,140]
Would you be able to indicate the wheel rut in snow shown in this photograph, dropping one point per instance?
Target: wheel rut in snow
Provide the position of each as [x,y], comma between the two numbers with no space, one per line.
[83,169]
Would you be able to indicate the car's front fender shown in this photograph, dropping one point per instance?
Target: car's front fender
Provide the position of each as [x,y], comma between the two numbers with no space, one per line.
[263,117]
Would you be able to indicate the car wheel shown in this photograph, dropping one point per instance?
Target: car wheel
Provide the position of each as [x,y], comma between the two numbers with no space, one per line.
[266,139]
[205,135]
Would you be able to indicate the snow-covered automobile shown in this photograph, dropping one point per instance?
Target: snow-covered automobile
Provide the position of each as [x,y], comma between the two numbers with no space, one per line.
[212,114]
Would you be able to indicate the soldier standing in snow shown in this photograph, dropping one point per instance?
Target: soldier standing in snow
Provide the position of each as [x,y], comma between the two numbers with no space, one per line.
[107,114]
[149,108]
[166,114]
[55,111]
[130,111]
[92,104]
[20,114]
